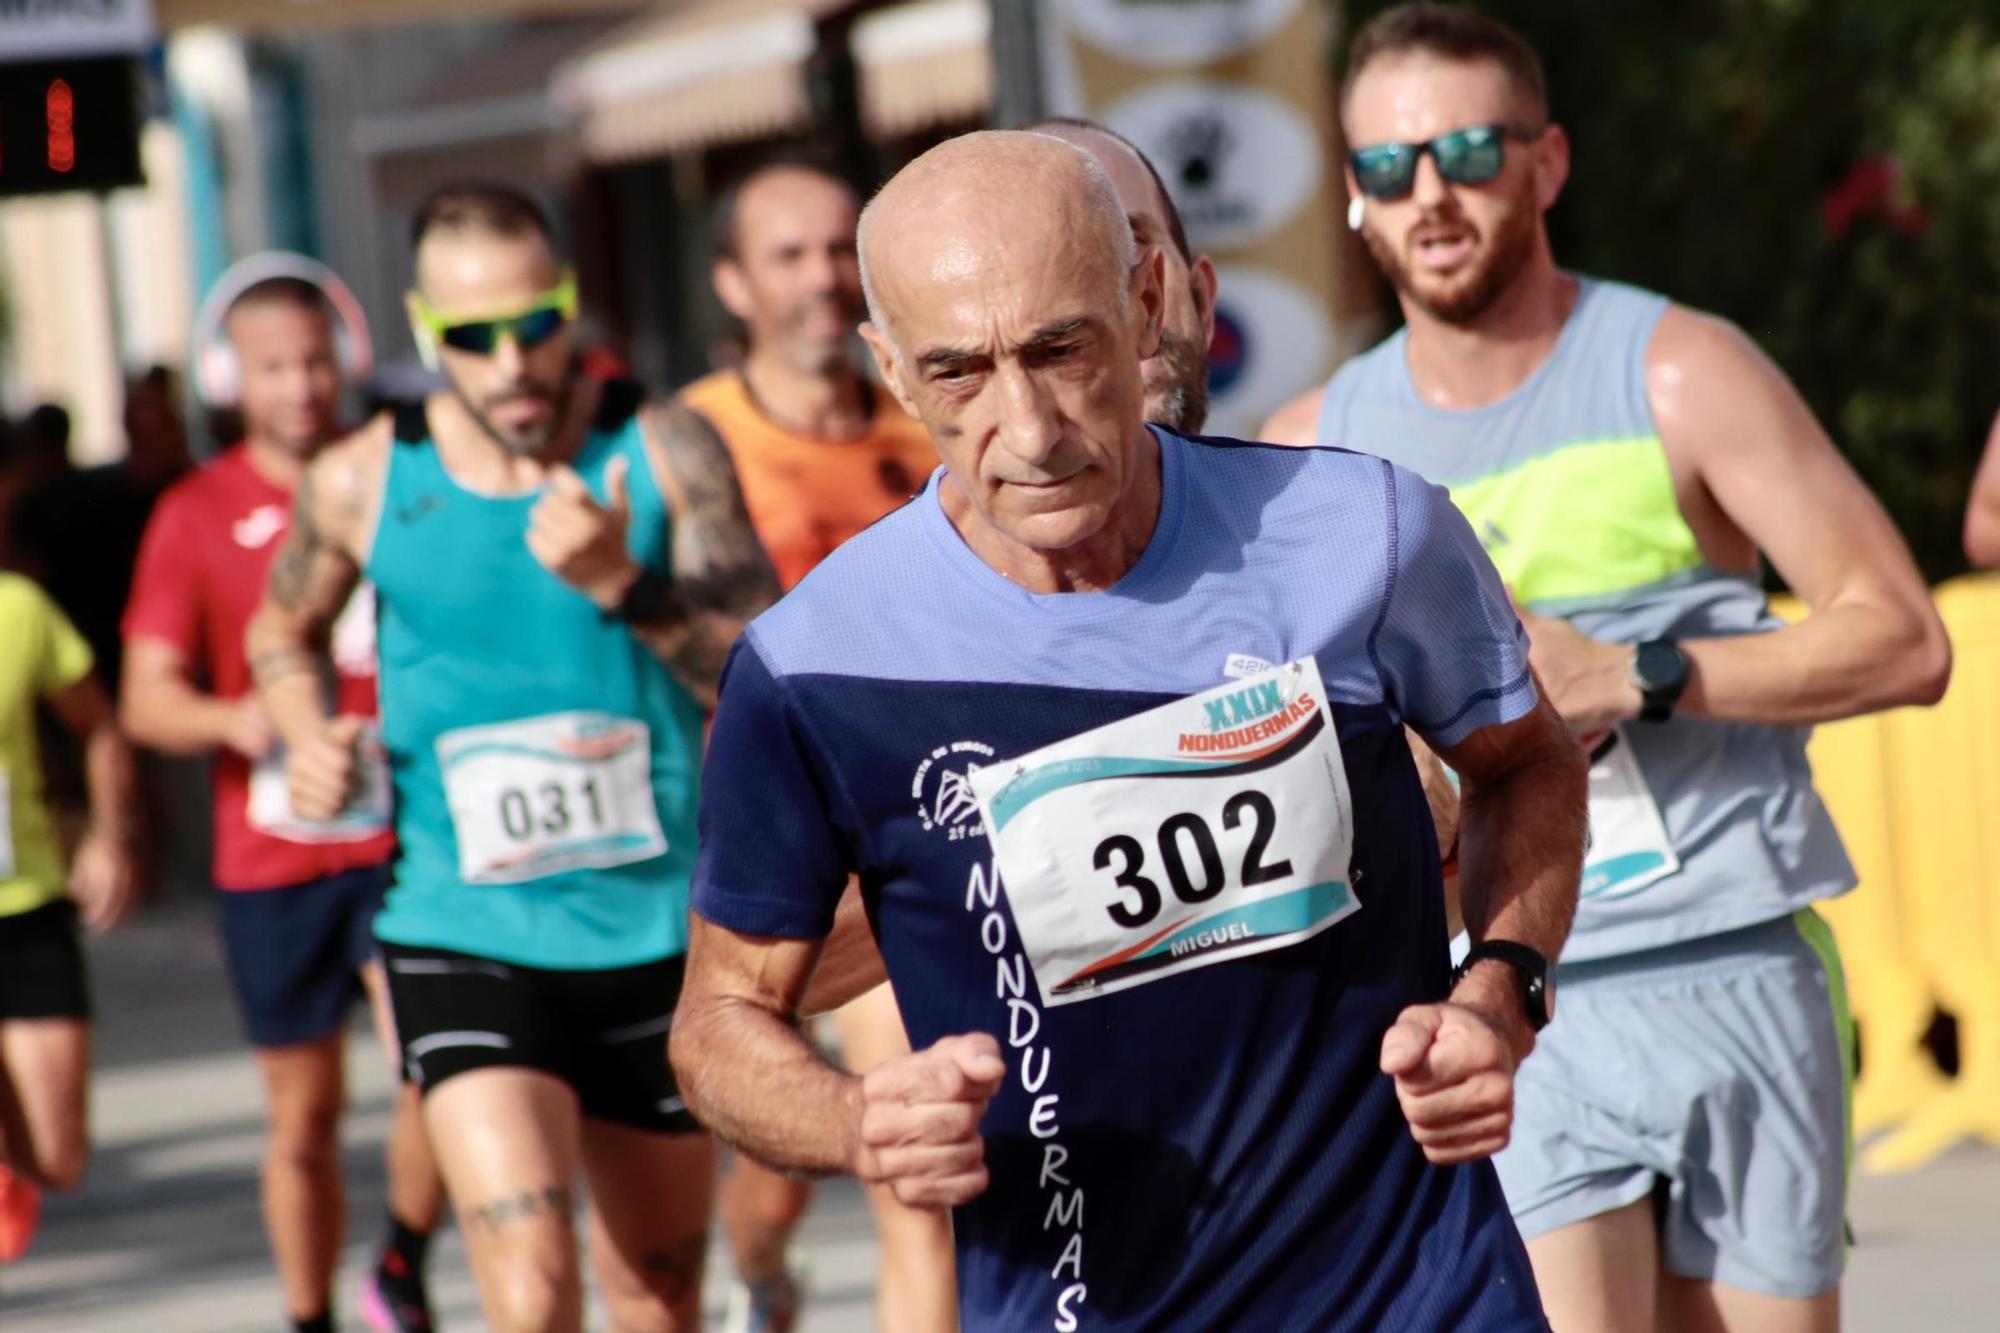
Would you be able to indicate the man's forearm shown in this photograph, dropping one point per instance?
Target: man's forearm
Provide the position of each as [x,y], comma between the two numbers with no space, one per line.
[759,1085]
[289,675]
[1839,662]
[1521,843]
[111,780]
[174,717]
[688,624]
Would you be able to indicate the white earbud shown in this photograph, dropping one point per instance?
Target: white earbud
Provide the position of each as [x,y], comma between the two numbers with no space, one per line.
[1357,208]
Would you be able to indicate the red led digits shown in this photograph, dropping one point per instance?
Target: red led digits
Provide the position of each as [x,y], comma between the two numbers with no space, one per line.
[61,111]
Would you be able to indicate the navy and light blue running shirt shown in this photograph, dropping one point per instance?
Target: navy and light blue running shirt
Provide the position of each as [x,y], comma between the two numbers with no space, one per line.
[1206,1148]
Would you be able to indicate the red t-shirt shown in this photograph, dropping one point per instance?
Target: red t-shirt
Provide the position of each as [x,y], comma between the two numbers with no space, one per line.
[201,574]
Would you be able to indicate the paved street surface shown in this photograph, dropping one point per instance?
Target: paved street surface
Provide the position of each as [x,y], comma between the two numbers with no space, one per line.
[165,1237]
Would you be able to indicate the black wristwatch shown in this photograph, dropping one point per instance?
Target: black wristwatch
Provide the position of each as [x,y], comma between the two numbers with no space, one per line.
[1659,673]
[650,599]
[1532,976]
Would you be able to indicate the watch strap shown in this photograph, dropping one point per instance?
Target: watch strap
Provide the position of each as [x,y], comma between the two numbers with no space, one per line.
[1530,968]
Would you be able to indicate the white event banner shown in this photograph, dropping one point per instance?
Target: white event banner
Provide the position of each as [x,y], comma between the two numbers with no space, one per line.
[54,29]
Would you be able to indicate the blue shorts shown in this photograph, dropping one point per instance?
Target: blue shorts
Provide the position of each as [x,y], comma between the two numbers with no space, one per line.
[1712,1078]
[295,953]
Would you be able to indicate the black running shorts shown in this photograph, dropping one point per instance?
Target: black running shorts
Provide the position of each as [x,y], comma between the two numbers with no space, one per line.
[602,1032]
[41,964]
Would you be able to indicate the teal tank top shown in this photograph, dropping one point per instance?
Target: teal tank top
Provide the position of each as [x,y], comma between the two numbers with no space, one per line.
[545,764]
[1567,485]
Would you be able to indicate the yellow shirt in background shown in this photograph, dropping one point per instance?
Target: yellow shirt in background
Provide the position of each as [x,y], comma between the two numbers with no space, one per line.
[40,654]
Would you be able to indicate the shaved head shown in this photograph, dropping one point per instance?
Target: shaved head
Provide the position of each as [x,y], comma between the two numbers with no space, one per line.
[944,210]
[1010,310]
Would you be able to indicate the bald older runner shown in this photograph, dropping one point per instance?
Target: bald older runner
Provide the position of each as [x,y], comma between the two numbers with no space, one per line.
[1114,748]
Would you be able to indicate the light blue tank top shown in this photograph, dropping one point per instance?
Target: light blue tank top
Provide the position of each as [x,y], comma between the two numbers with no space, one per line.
[474,634]
[1567,485]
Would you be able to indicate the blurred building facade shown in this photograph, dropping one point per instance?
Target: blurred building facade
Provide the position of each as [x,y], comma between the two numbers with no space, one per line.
[318,128]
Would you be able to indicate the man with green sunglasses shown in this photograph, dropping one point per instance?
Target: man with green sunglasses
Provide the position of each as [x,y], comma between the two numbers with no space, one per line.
[1678,1156]
[542,544]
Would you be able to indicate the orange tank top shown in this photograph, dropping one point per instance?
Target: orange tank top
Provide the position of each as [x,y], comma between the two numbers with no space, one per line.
[808,495]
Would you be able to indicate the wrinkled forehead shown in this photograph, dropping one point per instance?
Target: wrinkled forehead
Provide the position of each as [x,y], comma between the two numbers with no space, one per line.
[1415,95]
[473,272]
[991,280]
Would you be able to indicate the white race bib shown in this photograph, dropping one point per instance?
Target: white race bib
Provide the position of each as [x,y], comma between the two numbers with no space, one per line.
[365,816]
[548,794]
[1198,832]
[6,827]
[1629,847]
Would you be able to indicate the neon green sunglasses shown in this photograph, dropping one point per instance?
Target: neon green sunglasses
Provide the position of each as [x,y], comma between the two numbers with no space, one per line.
[549,315]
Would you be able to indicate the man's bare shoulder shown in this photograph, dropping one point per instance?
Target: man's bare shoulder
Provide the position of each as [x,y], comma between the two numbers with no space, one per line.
[1703,372]
[1297,422]
[343,483]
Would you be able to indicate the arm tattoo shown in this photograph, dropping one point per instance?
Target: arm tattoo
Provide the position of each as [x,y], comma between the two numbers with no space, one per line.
[312,574]
[283,660]
[291,570]
[721,573]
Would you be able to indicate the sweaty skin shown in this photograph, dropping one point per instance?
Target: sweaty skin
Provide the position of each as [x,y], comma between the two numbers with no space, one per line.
[1735,432]
[1011,310]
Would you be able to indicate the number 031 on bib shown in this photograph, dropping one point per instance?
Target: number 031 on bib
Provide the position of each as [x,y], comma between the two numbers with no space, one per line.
[1201,831]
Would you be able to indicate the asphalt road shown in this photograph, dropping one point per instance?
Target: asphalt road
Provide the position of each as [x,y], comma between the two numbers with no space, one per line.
[165,1237]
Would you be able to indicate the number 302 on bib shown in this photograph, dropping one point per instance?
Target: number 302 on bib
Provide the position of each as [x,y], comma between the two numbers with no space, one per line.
[1198,832]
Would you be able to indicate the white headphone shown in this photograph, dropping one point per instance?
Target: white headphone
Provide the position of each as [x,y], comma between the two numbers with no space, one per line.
[1357,209]
[217,372]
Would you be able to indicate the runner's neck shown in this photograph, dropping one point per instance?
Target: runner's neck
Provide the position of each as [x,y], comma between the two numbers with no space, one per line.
[1468,366]
[483,465]
[831,406]
[1091,565]
[275,463]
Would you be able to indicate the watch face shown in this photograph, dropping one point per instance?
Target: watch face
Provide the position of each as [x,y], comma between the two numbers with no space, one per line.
[1660,666]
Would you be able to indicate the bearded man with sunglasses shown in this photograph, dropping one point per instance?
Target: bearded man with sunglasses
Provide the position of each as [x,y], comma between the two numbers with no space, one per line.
[1681,1134]
[536,540]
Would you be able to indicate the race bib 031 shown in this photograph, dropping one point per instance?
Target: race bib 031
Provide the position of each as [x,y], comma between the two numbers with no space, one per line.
[1198,832]
[547,794]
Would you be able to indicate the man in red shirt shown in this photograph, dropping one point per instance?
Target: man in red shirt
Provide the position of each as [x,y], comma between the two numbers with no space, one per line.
[297,898]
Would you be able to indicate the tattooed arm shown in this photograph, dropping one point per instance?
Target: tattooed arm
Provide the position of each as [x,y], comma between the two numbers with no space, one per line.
[721,571]
[721,576]
[312,576]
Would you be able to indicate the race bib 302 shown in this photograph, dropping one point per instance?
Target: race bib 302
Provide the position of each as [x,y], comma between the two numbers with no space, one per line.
[1189,835]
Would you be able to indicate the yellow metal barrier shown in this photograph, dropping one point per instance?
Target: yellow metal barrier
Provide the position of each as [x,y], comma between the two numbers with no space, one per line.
[1916,793]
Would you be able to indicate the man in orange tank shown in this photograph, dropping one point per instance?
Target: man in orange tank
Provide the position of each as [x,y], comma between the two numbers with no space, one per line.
[821,453]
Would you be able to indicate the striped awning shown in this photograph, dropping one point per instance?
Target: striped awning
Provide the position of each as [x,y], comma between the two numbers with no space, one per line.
[922,64]
[281,16]
[713,71]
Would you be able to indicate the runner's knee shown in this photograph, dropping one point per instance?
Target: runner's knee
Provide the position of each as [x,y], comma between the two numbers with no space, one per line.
[662,1294]
[305,1132]
[534,1294]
